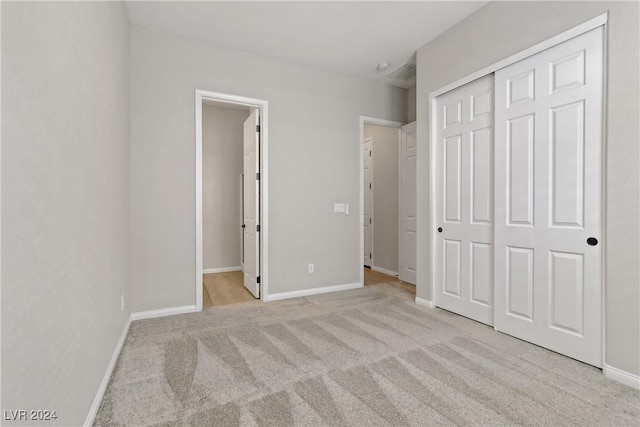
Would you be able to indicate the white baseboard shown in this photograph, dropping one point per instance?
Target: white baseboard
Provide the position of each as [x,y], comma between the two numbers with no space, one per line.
[151,314]
[425,302]
[107,376]
[621,376]
[221,270]
[313,291]
[384,271]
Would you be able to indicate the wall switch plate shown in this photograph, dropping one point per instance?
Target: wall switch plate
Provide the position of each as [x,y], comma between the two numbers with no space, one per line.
[338,207]
[311,268]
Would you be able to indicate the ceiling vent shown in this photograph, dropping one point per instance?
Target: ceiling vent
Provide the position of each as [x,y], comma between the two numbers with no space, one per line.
[404,72]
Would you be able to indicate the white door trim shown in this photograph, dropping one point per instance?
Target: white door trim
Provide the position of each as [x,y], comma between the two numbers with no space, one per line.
[263,105]
[370,121]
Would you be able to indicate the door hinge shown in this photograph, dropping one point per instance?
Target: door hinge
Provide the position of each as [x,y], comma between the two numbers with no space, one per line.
[258,279]
[257,128]
[369,185]
[369,255]
[258,228]
[258,176]
[369,153]
[369,220]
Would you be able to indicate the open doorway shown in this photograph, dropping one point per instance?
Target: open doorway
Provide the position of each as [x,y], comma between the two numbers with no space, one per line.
[223,240]
[231,221]
[380,186]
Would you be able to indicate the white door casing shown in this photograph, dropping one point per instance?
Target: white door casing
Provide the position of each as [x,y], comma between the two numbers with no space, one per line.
[464,200]
[251,220]
[368,201]
[407,213]
[548,187]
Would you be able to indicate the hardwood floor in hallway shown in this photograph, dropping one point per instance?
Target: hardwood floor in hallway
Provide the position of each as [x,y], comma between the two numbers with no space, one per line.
[372,277]
[224,289]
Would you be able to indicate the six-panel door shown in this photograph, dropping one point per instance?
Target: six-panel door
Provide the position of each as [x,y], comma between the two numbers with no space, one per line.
[548,173]
[464,200]
[408,219]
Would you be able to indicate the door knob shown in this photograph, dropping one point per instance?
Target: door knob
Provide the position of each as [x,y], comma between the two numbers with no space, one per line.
[243,226]
[439,229]
[592,241]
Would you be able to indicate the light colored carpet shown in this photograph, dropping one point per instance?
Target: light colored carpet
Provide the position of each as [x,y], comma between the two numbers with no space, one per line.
[364,357]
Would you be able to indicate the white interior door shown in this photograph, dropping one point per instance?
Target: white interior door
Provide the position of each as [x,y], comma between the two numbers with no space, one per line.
[242,219]
[464,200]
[548,198]
[368,202]
[251,224]
[407,245]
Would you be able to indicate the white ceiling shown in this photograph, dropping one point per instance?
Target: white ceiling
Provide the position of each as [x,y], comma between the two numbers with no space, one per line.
[347,37]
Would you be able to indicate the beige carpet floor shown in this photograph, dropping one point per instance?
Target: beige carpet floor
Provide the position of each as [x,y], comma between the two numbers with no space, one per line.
[366,357]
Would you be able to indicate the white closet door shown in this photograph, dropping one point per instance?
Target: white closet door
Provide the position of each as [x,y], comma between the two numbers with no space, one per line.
[407,246]
[548,198]
[464,200]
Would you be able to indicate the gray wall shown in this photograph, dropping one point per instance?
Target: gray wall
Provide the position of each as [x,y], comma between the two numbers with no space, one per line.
[222,140]
[501,29]
[313,162]
[411,104]
[385,195]
[65,202]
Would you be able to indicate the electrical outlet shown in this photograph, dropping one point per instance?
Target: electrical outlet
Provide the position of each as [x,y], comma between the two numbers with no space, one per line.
[311,268]
[121,302]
